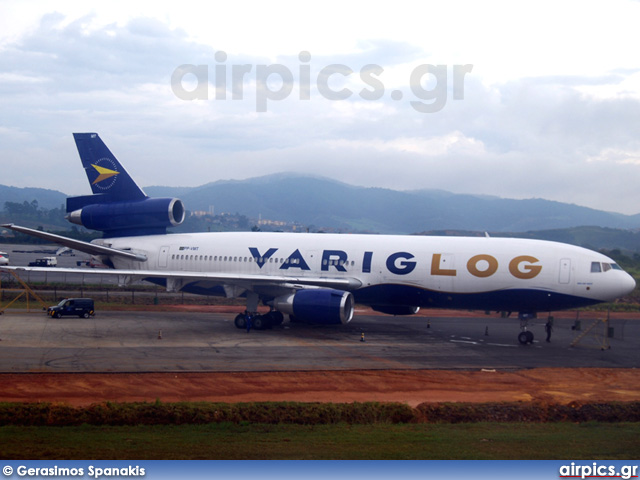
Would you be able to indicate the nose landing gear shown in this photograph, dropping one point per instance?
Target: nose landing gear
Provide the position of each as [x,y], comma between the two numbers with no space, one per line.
[525,336]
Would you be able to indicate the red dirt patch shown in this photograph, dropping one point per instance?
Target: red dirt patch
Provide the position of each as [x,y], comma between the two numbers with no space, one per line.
[552,385]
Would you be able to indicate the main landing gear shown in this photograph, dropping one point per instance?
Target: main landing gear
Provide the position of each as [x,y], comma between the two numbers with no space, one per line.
[257,321]
[252,319]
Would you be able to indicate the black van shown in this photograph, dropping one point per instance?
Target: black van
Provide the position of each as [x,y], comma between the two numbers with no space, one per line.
[82,307]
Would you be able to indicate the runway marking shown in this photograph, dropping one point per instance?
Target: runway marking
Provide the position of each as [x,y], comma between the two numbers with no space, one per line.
[480,342]
[464,341]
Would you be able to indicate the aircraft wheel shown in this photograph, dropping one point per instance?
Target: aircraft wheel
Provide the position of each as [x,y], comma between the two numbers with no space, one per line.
[259,322]
[268,320]
[276,317]
[240,321]
[523,338]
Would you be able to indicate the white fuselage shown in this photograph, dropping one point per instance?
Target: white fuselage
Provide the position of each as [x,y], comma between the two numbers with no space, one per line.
[455,272]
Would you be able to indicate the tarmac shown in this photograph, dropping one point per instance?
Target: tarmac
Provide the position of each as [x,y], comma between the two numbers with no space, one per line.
[186,341]
[182,340]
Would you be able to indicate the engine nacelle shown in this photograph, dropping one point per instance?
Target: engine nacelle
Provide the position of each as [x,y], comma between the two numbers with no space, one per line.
[317,305]
[396,310]
[140,217]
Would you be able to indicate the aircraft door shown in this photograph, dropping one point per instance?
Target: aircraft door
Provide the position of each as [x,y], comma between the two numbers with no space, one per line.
[565,271]
[163,256]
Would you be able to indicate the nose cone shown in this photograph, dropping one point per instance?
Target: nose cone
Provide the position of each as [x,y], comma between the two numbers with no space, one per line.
[614,286]
[627,285]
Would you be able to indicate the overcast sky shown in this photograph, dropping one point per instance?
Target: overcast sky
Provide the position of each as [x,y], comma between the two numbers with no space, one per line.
[542,98]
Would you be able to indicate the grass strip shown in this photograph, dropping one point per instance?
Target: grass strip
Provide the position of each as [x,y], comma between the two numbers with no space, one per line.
[337,441]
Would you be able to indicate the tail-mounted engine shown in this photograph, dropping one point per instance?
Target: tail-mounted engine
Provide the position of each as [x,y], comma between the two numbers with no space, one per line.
[149,216]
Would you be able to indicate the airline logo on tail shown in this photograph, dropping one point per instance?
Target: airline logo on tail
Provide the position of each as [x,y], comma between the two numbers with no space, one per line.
[105,174]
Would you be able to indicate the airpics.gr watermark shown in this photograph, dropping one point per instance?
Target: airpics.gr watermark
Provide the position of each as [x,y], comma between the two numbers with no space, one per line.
[428,83]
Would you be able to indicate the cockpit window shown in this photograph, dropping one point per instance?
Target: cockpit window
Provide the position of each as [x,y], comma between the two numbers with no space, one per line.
[597,267]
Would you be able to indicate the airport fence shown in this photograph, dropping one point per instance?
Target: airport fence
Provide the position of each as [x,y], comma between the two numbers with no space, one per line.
[138,293]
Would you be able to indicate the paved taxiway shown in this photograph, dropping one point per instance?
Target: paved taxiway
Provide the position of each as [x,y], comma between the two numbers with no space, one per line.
[191,341]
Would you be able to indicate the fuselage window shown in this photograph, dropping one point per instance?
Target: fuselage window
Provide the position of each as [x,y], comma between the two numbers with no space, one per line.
[225,258]
[181,257]
[595,267]
[173,257]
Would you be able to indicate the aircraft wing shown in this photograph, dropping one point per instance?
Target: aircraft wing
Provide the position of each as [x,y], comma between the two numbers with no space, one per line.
[79,245]
[176,279]
[243,280]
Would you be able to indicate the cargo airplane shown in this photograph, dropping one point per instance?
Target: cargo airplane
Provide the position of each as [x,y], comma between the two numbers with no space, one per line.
[319,277]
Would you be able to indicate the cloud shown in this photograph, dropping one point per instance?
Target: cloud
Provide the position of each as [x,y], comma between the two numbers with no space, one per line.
[454,143]
[566,137]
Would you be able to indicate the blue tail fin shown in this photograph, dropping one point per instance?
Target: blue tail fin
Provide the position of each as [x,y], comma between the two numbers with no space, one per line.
[106,175]
[118,206]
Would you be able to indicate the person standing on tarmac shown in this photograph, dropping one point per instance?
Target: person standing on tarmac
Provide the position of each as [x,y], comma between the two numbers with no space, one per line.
[548,327]
[249,321]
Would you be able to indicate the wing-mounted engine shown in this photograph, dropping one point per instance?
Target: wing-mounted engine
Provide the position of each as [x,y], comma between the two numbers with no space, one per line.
[317,305]
[148,216]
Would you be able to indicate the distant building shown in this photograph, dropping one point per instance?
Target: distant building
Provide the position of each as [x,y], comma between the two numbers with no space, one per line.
[276,223]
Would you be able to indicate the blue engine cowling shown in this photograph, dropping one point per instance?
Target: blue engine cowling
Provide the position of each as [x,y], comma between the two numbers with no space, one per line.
[317,305]
[140,217]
